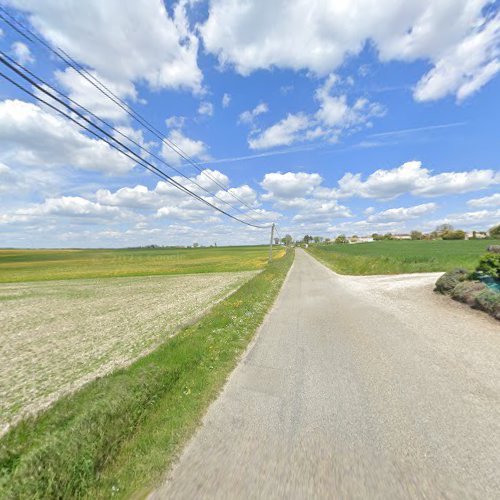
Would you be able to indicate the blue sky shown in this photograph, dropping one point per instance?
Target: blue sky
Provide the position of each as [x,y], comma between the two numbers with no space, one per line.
[324,118]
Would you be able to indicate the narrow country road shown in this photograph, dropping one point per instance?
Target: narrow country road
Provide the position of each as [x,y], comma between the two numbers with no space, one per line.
[356,387]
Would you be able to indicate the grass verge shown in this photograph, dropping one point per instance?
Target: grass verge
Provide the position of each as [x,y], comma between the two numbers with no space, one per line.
[395,257]
[116,436]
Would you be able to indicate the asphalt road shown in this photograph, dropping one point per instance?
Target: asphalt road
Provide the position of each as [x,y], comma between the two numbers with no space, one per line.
[355,387]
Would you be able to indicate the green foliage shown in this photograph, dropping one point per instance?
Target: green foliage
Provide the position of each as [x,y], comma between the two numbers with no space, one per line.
[117,435]
[454,235]
[39,265]
[495,232]
[416,235]
[391,257]
[490,264]
[341,239]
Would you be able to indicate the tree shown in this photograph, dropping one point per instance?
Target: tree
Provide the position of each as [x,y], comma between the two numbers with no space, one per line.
[341,239]
[318,239]
[196,245]
[307,239]
[454,235]
[444,228]
[276,241]
[416,235]
[377,237]
[388,236]
[287,240]
[495,232]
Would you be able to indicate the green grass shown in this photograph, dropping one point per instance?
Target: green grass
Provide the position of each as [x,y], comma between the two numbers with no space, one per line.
[40,265]
[118,435]
[392,257]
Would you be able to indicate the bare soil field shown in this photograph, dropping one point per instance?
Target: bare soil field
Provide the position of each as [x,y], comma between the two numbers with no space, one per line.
[56,336]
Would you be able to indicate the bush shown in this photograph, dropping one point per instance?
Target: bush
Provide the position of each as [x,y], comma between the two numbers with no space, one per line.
[446,283]
[454,235]
[489,301]
[467,291]
[490,264]
[495,232]
[341,239]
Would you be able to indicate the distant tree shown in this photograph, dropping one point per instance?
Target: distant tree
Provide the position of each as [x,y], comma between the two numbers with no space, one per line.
[276,241]
[495,232]
[287,240]
[416,235]
[388,236]
[307,239]
[377,237]
[196,245]
[454,235]
[444,228]
[317,239]
[341,239]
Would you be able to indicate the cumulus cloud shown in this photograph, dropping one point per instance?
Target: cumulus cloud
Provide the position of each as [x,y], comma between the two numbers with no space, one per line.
[191,147]
[139,36]
[283,133]
[249,116]
[32,136]
[486,201]
[412,177]
[403,213]
[479,219]
[22,53]
[206,108]
[289,185]
[453,35]
[226,100]
[334,116]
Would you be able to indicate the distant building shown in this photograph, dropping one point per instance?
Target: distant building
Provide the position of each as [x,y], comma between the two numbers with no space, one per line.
[401,236]
[360,239]
[478,235]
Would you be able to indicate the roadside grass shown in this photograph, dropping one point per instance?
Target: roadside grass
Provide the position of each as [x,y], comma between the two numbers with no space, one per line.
[395,257]
[39,265]
[117,436]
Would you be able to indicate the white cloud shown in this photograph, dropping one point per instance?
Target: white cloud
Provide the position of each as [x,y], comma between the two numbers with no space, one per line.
[333,117]
[412,178]
[403,213]
[249,116]
[285,132]
[32,136]
[22,53]
[226,100]
[289,184]
[206,108]
[192,148]
[465,67]
[318,36]
[480,219]
[128,41]
[320,211]
[486,201]
[175,122]
[86,94]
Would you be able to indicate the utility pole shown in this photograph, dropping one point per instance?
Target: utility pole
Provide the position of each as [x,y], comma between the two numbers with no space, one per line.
[271,244]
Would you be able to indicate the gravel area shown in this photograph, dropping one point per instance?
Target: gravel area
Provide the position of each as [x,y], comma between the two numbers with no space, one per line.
[56,336]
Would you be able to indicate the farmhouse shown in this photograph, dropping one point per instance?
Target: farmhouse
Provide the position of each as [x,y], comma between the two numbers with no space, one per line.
[401,237]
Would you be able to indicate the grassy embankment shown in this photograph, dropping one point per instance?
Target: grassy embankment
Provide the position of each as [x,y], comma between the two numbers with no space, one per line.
[117,435]
[38,265]
[393,257]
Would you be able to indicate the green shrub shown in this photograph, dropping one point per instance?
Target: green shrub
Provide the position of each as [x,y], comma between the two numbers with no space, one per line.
[448,281]
[495,232]
[490,264]
[467,291]
[489,301]
[454,235]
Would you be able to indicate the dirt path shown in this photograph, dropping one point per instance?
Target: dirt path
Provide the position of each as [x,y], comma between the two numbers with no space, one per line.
[356,387]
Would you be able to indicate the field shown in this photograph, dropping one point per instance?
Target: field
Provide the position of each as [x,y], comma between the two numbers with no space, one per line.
[117,435]
[393,257]
[58,335]
[36,265]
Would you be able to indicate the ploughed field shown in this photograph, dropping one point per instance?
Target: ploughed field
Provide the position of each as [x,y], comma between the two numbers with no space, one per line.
[58,334]
[395,257]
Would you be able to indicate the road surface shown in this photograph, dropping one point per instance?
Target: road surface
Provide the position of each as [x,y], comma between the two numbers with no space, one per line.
[356,387]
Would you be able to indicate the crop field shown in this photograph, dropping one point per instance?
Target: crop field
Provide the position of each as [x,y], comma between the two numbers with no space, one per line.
[392,257]
[57,335]
[35,265]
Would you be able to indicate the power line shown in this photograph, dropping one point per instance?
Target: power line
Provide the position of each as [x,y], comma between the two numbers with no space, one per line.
[47,85]
[128,152]
[94,81]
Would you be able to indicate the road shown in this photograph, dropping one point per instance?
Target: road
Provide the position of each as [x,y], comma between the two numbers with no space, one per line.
[355,387]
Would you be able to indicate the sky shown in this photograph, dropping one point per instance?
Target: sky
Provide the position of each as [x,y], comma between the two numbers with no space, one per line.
[327,118]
